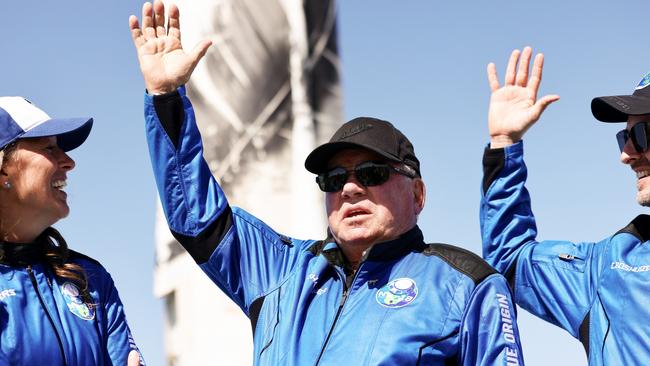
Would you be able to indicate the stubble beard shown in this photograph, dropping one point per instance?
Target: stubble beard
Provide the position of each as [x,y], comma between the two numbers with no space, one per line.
[643,197]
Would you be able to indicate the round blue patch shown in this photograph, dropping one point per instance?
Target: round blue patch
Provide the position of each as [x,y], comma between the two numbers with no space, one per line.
[75,303]
[397,293]
[644,82]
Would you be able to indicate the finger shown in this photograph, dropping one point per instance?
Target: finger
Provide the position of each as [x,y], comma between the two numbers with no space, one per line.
[159,18]
[510,70]
[174,22]
[524,61]
[136,32]
[134,358]
[493,79]
[536,76]
[147,21]
[544,102]
[199,51]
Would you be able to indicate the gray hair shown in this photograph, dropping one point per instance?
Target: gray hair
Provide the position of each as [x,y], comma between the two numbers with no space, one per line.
[409,169]
[6,151]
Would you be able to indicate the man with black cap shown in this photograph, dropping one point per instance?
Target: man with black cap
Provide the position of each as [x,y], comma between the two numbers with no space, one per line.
[371,293]
[598,292]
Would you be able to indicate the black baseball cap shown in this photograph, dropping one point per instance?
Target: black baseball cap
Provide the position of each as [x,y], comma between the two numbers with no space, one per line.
[369,133]
[617,108]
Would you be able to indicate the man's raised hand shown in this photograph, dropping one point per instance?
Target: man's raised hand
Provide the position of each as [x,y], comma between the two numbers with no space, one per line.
[514,107]
[163,62]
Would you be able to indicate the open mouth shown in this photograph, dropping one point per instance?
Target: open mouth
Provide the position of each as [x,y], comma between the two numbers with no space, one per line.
[355,213]
[59,184]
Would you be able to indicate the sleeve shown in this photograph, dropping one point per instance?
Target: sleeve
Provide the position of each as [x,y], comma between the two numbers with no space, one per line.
[554,280]
[119,340]
[489,333]
[238,252]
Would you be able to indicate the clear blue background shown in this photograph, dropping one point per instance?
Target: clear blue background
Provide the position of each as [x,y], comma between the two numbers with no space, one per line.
[420,64]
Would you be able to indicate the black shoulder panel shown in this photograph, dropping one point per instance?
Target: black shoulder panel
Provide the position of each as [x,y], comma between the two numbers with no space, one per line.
[493,162]
[317,247]
[77,255]
[334,257]
[463,260]
[169,108]
[639,227]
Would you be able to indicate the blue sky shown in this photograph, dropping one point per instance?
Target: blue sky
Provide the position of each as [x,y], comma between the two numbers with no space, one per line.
[420,64]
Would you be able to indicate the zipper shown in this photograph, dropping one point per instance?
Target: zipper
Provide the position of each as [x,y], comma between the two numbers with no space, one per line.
[346,292]
[32,277]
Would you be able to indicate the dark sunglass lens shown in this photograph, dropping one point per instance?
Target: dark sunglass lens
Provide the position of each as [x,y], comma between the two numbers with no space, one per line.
[321,183]
[639,137]
[371,174]
[621,138]
[333,180]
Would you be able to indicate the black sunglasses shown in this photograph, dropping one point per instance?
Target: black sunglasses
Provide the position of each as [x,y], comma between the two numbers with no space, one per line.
[639,135]
[368,174]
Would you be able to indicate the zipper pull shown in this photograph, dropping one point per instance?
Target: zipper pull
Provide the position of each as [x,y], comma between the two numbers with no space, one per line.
[566,257]
[345,296]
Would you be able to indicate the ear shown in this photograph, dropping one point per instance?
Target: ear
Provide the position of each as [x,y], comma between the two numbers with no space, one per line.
[419,194]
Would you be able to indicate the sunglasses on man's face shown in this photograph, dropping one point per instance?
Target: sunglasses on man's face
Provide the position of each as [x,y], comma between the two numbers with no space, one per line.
[639,135]
[368,174]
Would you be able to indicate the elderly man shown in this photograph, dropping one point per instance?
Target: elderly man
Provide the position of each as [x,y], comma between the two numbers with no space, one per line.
[373,292]
[596,291]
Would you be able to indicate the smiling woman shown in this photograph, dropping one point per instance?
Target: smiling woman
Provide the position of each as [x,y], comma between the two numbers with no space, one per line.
[57,307]
[38,168]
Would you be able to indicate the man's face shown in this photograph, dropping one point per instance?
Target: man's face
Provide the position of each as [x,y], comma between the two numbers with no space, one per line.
[360,216]
[639,162]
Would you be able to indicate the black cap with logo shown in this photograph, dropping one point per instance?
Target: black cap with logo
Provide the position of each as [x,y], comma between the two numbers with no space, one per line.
[369,133]
[617,108]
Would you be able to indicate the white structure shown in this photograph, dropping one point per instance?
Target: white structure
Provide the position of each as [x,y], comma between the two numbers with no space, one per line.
[265,94]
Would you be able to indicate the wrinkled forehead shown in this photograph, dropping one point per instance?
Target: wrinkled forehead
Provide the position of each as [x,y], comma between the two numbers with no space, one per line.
[351,157]
[632,120]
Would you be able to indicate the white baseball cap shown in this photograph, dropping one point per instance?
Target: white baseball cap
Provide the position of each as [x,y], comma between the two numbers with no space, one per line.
[19,118]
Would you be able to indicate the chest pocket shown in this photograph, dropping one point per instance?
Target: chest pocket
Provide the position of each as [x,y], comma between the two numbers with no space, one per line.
[562,255]
[283,318]
[267,320]
[435,352]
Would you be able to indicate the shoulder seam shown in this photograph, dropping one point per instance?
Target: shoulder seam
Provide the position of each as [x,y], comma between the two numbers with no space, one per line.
[639,227]
[462,260]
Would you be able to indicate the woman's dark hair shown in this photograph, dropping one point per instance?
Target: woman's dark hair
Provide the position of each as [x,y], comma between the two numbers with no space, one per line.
[56,253]
[55,248]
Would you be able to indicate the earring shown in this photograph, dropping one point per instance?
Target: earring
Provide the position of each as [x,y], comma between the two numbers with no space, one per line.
[6,185]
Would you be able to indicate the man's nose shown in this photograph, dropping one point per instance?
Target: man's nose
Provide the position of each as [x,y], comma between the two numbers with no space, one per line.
[352,187]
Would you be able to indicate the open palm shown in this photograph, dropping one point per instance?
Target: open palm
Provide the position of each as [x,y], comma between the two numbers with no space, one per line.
[163,62]
[514,108]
